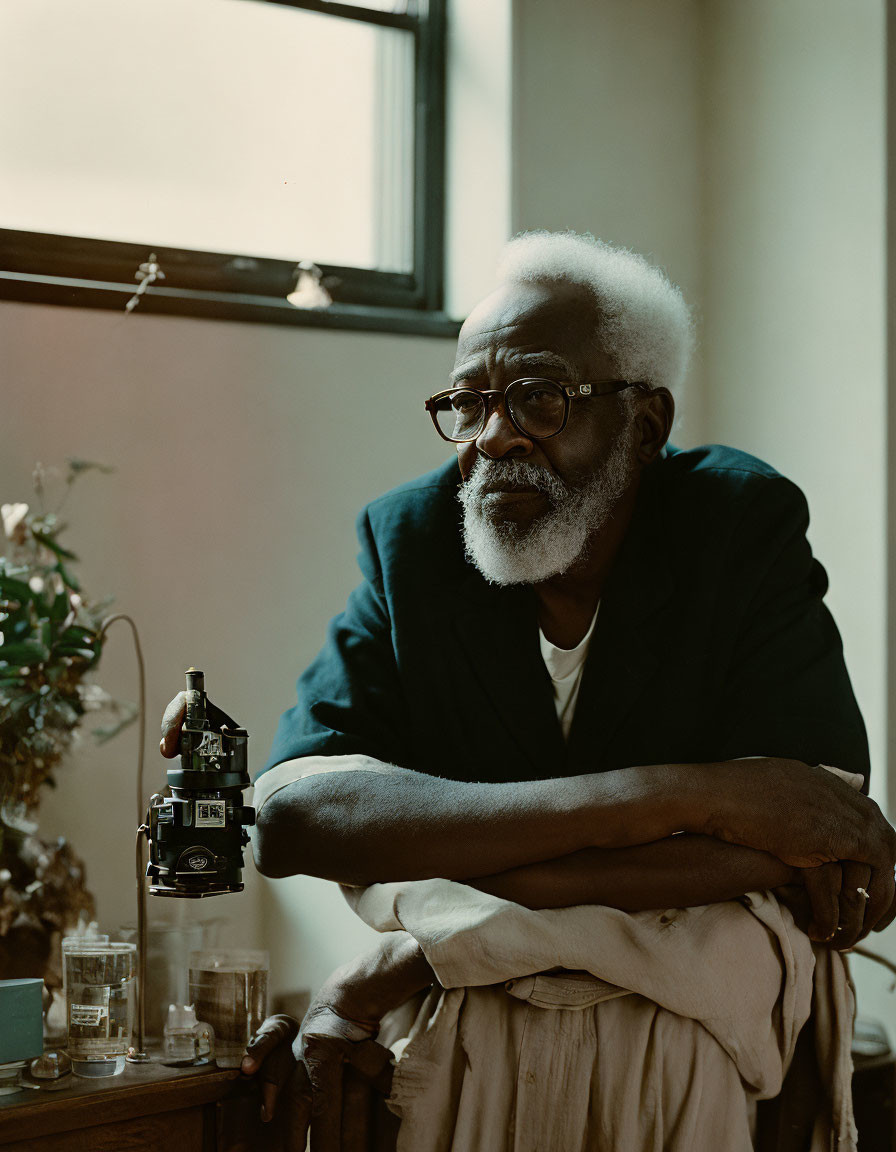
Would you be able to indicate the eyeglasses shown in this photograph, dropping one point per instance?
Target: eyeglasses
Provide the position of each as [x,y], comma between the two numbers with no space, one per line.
[538,409]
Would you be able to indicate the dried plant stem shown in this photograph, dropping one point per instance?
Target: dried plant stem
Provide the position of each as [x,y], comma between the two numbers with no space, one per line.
[876,957]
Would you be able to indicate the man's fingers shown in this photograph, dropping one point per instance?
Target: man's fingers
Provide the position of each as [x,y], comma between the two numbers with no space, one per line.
[275,1031]
[172,718]
[295,1110]
[853,903]
[324,1059]
[374,1063]
[881,889]
[823,887]
[796,898]
[271,1089]
[357,1112]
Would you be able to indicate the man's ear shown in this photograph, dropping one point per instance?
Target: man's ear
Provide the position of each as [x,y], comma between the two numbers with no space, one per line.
[655,424]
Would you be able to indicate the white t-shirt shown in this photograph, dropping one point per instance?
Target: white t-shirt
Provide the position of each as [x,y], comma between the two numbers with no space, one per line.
[565,666]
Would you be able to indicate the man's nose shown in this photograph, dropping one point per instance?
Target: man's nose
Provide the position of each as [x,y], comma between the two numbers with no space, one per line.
[500,437]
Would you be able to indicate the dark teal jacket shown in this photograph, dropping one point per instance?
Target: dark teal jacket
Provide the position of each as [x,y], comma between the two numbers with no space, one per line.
[712,641]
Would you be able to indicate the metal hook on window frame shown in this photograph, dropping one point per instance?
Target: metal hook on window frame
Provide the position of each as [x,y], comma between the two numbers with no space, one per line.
[148,273]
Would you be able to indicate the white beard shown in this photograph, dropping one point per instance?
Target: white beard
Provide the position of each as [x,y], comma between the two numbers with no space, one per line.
[509,553]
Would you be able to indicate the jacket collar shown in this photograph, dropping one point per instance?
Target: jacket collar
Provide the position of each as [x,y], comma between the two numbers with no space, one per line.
[498,629]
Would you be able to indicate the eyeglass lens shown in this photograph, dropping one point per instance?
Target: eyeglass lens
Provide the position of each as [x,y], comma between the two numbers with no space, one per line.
[537,408]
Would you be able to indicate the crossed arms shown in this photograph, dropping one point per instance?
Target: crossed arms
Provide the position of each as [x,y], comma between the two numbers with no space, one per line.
[607,838]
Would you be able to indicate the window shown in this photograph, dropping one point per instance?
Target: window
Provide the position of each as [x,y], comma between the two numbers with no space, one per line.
[222,145]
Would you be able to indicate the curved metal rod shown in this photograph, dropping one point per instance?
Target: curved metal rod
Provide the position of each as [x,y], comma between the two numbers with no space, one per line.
[141,715]
[137,1054]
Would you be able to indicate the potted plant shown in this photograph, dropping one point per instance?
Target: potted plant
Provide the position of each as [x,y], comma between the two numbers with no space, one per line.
[51,640]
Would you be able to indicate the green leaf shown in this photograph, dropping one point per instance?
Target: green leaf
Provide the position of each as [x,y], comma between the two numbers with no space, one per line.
[68,580]
[27,653]
[16,627]
[59,609]
[105,734]
[76,637]
[77,466]
[56,548]
[77,653]
[16,705]
[12,589]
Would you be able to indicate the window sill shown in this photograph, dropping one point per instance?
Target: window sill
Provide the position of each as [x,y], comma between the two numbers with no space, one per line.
[69,291]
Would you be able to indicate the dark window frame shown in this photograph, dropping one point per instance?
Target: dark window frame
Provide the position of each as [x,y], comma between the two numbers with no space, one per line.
[43,268]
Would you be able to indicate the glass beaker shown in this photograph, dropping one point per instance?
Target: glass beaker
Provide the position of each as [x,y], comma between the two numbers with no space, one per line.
[186,1040]
[168,948]
[98,984]
[229,989]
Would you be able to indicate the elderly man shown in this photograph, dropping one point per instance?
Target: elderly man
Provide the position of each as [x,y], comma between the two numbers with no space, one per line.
[586,676]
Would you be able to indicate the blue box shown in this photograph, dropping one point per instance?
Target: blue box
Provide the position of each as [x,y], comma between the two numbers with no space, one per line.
[21,1020]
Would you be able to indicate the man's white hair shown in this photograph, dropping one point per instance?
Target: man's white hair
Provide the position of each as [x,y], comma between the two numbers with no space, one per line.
[645,325]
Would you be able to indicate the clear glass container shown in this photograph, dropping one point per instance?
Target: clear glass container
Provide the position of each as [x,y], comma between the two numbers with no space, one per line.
[98,984]
[185,1039]
[229,988]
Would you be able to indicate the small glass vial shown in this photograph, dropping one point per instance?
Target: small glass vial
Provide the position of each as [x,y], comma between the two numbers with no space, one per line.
[186,1040]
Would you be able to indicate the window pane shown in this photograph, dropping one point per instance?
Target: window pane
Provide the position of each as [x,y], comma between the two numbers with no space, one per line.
[401,7]
[217,125]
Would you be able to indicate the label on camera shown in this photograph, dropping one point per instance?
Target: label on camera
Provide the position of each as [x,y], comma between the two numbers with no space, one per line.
[210,814]
[87,1015]
[195,859]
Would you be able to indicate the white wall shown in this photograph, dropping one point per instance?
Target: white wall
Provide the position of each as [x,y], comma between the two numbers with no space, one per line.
[793,245]
[606,136]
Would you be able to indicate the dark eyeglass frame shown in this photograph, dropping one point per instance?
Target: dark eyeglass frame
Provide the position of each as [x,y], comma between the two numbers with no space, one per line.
[494,396]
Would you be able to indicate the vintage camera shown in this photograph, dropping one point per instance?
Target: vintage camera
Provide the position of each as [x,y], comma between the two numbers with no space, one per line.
[198,833]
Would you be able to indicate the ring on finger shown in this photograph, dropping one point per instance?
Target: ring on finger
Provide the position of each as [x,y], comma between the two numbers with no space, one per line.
[863,892]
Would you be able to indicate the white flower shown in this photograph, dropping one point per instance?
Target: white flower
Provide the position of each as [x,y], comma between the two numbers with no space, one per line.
[93,696]
[36,583]
[13,515]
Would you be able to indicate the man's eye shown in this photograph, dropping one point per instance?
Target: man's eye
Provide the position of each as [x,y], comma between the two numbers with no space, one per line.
[539,397]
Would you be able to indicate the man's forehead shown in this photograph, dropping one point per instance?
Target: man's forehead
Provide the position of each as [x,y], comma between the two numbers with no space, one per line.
[545,326]
[541,362]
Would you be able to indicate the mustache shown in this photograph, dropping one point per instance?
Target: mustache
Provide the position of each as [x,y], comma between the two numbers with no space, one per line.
[490,476]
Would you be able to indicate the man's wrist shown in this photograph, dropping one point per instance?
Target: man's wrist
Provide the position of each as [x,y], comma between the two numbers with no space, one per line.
[377,981]
[650,802]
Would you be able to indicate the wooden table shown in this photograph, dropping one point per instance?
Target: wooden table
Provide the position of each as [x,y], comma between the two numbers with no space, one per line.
[202,1109]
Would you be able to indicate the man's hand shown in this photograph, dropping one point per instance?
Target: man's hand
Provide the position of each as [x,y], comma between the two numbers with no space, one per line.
[808,817]
[829,904]
[315,1077]
[172,719]
[326,1074]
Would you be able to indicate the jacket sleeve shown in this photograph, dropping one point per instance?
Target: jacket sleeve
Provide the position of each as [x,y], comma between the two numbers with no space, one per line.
[350,697]
[786,692]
